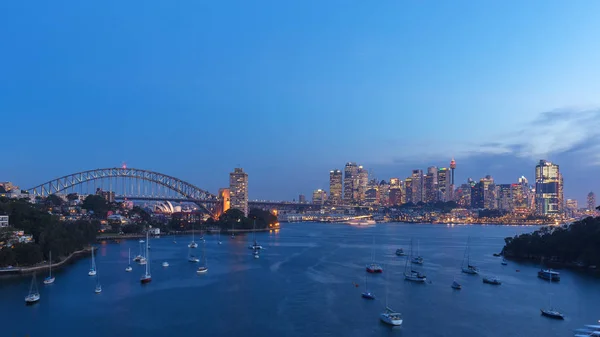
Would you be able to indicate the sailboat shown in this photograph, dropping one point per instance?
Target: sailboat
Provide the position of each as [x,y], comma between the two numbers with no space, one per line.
[255,245]
[140,256]
[146,278]
[456,285]
[232,233]
[416,259]
[128,269]
[410,274]
[204,267]
[98,286]
[367,294]
[256,254]
[192,257]
[373,267]
[504,262]
[92,271]
[193,244]
[49,279]
[219,237]
[34,294]
[390,316]
[468,269]
[551,312]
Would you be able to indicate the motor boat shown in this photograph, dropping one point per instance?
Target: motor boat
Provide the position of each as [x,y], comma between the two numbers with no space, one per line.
[549,274]
[374,268]
[400,252]
[456,285]
[361,222]
[552,313]
[491,280]
[165,264]
[391,317]
[368,295]
[202,270]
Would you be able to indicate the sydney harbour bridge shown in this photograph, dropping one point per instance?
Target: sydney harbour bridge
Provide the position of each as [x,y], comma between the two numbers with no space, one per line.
[140,185]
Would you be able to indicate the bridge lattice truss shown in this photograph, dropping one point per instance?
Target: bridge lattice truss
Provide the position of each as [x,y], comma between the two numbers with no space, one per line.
[65,183]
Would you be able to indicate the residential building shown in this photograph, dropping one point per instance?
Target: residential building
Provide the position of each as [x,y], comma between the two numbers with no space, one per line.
[372,193]
[489,189]
[363,181]
[384,193]
[395,197]
[238,190]
[477,195]
[463,195]
[547,188]
[319,196]
[335,187]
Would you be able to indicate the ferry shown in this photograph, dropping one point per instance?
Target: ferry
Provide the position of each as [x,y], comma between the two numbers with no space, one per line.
[361,222]
[549,274]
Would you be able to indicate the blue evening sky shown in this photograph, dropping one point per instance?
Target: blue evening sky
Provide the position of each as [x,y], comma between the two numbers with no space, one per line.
[292,89]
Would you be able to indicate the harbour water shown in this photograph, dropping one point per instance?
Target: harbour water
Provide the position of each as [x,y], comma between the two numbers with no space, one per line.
[303,285]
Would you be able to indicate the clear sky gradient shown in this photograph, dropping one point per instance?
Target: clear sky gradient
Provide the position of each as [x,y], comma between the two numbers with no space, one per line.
[291,89]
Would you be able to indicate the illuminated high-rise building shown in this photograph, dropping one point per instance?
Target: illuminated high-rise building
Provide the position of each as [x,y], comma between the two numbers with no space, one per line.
[319,196]
[395,197]
[363,181]
[547,188]
[408,191]
[351,181]
[238,190]
[335,187]
[463,195]
[394,182]
[384,193]
[571,206]
[505,200]
[489,192]
[477,195]
[430,185]
[591,201]
[372,193]
[444,184]
[417,186]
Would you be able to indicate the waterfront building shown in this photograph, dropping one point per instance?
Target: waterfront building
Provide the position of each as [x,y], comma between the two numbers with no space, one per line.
[547,188]
[417,186]
[335,187]
[384,193]
[302,199]
[363,181]
[319,197]
[505,200]
[3,221]
[431,185]
[444,184]
[591,201]
[238,190]
[351,181]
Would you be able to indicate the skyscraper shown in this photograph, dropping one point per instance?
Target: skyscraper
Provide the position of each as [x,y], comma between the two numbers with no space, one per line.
[408,191]
[571,206]
[335,187]
[384,193]
[452,186]
[463,195]
[302,199]
[431,185]
[350,183]
[547,188]
[395,197]
[363,180]
[477,195]
[372,193]
[238,190]
[443,177]
[489,192]
[505,200]
[319,196]
[417,186]
[591,201]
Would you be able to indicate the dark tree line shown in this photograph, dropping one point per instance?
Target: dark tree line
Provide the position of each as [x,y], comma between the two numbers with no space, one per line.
[49,234]
[578,242]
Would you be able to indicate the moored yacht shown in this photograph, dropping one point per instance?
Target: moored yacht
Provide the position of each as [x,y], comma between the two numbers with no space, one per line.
[549,274]
[391,317]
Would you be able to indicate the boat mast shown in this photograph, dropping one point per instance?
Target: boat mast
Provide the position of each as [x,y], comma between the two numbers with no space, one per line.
[147,254]
[50,264]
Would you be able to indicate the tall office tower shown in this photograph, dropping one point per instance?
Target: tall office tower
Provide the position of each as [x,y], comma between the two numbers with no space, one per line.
[350,183]
[430,185]
[591,201]
[238,190]
[363,181]
[302,199]
[444,184]
[372,193]
[547,188]
[477,195]
[417,186]
[452,186]
[408,191]
[403,192]
[561,195]
[384,193]
[319,197]
[463,195]
[335,187]
[395,197]
[489,194]
[518,199]
[505,201]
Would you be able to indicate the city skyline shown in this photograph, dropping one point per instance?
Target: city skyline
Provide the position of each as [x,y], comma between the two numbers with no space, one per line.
[288,93]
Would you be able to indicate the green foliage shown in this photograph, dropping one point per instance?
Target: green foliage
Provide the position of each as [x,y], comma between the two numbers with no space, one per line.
[236,219]
[96,204]
[54,200]
[132,229]
[579,242]
[72,196]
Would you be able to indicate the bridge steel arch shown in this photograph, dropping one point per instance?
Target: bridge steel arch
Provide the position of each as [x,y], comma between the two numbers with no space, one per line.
[64,183]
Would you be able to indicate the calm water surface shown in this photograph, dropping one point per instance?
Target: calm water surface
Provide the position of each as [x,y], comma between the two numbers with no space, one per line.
[302,285]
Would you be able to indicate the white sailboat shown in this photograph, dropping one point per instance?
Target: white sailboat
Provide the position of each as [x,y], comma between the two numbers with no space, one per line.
[192,257]
[219,237]
[551,312]
[140,256]
[146,278]
[128,269]
[204,267]
[49,279]
[390,316]
[98,286]
[416,259]
[409,273]
[367,294]
[193,244]
[34,294]
[255,245]
[92,271]
[468,268]
[373,267]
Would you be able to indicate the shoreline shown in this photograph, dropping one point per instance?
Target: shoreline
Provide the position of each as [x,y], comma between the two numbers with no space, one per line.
[36,268]
[188,232]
